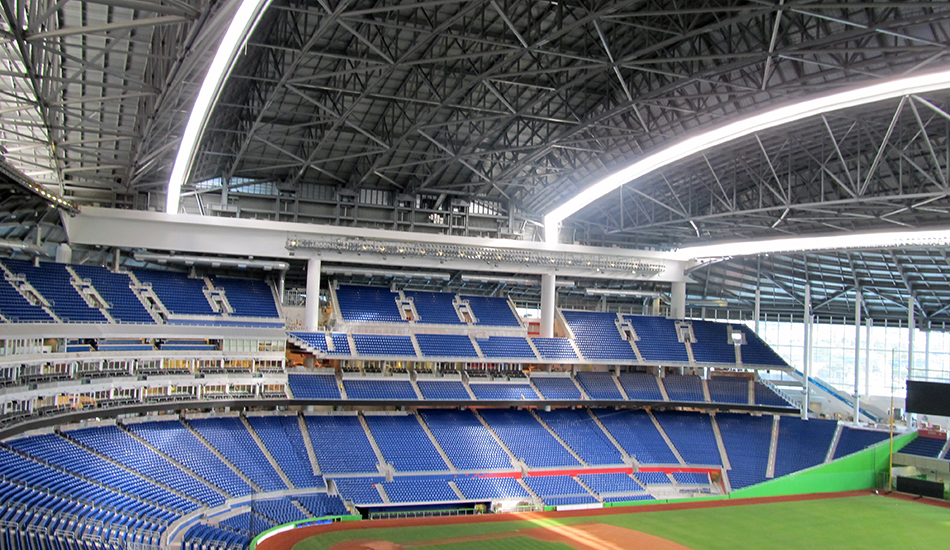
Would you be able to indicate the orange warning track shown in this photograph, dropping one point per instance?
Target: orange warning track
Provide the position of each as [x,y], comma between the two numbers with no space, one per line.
[286,540]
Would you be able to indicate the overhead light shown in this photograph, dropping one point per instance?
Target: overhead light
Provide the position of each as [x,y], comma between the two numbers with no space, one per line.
[887,239]
[211,261]
[718,136]
[243,22]
[357,271]
[618,292]
[707,303]
[490,255]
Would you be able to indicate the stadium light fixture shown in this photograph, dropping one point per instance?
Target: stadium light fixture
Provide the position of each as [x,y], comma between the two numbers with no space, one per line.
[243,22]
[887,239]
[770,119]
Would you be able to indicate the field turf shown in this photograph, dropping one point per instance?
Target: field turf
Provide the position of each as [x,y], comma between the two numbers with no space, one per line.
[856,522]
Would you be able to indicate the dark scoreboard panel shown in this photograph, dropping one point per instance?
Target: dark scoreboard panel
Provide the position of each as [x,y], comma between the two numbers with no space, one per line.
[928,398]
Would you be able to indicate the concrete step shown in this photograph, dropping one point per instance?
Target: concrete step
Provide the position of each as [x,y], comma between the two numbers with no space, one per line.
[308,443]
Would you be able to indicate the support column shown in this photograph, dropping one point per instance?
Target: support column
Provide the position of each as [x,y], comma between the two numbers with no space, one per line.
[857,355]
[282,286]
[911,325]
[678,300]
[867,357]
[757,310]
[64,254]
[548,298]
[807,340]
[312,311]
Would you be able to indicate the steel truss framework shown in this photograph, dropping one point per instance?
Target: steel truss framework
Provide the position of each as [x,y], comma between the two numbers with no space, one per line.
[432,105]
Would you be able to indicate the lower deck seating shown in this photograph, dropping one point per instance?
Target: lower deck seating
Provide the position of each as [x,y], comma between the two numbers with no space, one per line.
[924,446]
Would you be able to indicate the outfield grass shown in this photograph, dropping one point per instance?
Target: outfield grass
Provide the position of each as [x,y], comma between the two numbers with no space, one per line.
[863,522]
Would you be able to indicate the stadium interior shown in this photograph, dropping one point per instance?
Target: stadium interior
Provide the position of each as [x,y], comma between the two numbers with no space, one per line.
[288,261]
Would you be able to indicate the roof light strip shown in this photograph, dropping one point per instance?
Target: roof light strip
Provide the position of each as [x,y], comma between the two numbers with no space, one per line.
[244,21]
[776,117]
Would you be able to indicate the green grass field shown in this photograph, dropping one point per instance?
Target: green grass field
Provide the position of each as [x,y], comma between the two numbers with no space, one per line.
[863,522]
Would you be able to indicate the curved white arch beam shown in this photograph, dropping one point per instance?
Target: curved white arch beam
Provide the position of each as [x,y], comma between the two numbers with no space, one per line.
[724,134]
[848,241]
[243,23]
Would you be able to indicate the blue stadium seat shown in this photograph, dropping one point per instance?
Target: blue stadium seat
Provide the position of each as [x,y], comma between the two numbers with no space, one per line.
[434,308]
[597,336]
[368,304]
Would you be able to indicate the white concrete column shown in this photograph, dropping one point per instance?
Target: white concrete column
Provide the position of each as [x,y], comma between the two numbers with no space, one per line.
[548,299]
[911,325]
[757,310]
[807,340]
[857,355]
[678,300]
[312,311]
[64,254]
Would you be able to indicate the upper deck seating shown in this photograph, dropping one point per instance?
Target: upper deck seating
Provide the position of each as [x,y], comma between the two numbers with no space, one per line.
[756,352]
[248,297]
[53,281]
[16,309]
[368,304]
[597,336]
[491,311]
[435,308]
[179,293]
[446,345]
[116,289]
[713,343]
[554,349]
[506,347]
[658,342]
